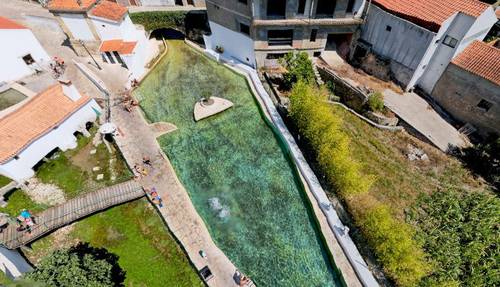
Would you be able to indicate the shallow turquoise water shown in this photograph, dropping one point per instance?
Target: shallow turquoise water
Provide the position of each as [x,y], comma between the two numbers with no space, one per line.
[236,173]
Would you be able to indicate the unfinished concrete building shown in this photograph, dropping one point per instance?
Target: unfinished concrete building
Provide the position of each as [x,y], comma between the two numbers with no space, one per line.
[257,32]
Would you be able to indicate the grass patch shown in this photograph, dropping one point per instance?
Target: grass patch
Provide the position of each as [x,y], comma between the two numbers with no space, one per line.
[4,180]
[133,231]
[73,172]
[18,200]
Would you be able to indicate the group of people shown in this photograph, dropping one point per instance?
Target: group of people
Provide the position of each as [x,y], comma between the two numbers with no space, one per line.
[58,67]
[155,197]
[129,104]
[140,169]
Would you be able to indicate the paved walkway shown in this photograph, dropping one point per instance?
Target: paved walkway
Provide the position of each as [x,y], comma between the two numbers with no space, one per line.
[70,211]
[421,116]
[136,140]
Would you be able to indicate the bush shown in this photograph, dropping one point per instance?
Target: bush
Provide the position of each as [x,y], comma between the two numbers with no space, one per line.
[299,68]
[322,129]
[401,256]
[392,240]
[160,19]
[81,265]
[484,159]
[376,102]
[460,233]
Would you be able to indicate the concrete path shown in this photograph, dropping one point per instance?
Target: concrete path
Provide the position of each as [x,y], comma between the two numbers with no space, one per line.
[136,140]
[421,116]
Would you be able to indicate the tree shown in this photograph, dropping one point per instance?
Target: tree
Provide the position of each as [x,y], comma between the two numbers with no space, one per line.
[299,68]
[81,265]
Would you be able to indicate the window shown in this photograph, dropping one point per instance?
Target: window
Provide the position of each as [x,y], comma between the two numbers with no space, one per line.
[245,29]
[28,59]
[317,54]
[326,8]
[314,33]
[280,37]
[275,56]
[350,6]
[450,41]
[485,105]
[276,8]
[388,28]
[243,1]
[302,7]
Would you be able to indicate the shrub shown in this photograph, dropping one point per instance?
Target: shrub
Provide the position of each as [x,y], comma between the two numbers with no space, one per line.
[322,129]
[160,19]
[299,68]
[460,233]
[81,265]
[392,240]
[376,102]
[401,256]
[484,159]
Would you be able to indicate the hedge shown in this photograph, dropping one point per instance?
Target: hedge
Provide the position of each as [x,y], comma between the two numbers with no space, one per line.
[392,240]
[160,19]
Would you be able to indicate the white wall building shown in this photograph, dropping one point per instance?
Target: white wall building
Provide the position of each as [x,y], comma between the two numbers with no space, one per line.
[420,37]
[108,24]
[41,124]
[20,53]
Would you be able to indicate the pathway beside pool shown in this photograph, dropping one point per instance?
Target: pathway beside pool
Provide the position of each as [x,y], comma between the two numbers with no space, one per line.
[137,140]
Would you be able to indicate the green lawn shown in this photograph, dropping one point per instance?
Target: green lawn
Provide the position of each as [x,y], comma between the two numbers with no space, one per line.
[4,180]
[18,200]
[72,170]
[134,232]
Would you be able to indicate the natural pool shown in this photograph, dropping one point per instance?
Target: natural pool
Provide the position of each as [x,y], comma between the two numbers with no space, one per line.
[236,173]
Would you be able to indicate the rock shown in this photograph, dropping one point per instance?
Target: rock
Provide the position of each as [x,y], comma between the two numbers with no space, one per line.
[113,178]
[93,151]
[382,119]
[100,176]
[96,168]
[415,153]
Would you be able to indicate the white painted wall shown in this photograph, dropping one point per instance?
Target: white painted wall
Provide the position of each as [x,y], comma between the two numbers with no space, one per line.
[157,2]
[78,26]
[235,44]
[62,137]
[478,30]
[406,43]
[13,264]
[429,53]
[443,54]
[109,30]
[17,43]
[136,61]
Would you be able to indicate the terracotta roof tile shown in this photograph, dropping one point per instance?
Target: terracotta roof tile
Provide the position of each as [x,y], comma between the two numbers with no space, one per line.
[70,5]
[109,10]
[35,118]
[481,59]
[431,13]
[118,45]
[9,24]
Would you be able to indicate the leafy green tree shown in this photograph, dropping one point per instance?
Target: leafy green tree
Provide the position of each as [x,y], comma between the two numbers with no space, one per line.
[299,68]
[81,265]
[460,232]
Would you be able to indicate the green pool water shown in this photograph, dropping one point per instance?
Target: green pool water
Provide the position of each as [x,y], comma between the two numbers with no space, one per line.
[236,172]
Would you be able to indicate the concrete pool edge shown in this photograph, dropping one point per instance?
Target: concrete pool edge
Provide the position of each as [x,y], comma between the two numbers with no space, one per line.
[335,227]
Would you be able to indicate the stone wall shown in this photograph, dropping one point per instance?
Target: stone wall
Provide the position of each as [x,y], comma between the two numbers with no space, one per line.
[459,93]
[353,96]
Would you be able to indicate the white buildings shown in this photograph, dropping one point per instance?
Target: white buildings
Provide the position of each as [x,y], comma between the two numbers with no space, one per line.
[40,124]
[20,53]
[421,37]
[107,24]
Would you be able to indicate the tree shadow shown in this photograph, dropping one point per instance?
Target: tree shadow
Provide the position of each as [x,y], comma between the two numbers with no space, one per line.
[84,248]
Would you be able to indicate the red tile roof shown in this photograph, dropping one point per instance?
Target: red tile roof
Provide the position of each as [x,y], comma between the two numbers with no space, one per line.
[481,59]
[431,13]
[109,10]
[35,118]
[118,45]
[9,24]
[70,5]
